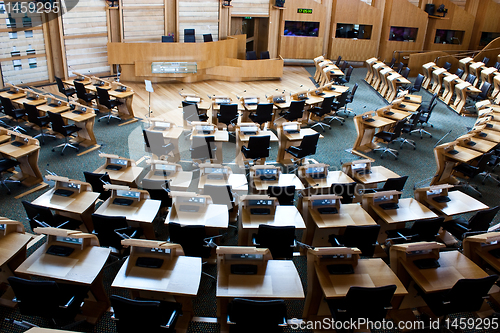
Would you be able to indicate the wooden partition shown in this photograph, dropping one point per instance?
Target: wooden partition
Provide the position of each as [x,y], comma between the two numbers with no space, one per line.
[416,60]
[355,12]
[486,20]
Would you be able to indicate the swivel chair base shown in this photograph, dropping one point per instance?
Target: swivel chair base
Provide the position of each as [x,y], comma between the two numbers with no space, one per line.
[65,145]
[385,150]
[109,116]
[421,131]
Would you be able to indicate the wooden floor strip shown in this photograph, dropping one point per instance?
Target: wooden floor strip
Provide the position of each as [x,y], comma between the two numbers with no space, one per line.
[94,147]
[38,188]
[129,122]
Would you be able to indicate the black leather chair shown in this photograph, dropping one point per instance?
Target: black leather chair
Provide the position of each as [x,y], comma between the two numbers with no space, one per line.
[343,66]
[158,190]
[65,91]
[399,68]
[390,137]
[263,114]
[376,302]
[190,113]
[363,237]
[339,104]
[322,112]
[251,55]
[479,222]
[228,115]
[408,127]
[58,126]
[207,38]
[470,171]
[250,316]
[391,184]
[35,118]
[295,111]
[417,85]
[405,72]
[347,77]
[447,65]
[264,55]
[258,147]
[307,147]
[55,301]
[221,195]
[105,100]
[111,230]
[280,240]
[203,148]
[420,231]
[157,144]
[345,190]
[497,65]
[97,181]
[144,315]
[349,99]
[16,114]
[485,61]
[471,78]
[284,194]
[485,91]
[189,36]
[423,119]
[459,72]
[167,39]
[427,105]
[337,62]
[391,63]
[42,217]
[82,94]
[7,164]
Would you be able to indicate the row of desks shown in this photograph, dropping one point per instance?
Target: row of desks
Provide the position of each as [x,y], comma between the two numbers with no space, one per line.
[384,79]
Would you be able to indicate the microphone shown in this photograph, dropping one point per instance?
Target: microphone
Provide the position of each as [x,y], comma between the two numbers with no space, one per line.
[179,92]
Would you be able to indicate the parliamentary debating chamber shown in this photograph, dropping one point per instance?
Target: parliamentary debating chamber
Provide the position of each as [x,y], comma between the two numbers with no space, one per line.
[249,166]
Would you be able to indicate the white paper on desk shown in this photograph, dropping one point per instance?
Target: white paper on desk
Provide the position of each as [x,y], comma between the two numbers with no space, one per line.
[342,283]
[148,278]
[149,86]
[53,265]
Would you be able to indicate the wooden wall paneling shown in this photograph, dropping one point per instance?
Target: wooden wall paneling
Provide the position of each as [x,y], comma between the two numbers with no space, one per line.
[456,19]
[48,51]
[328,24]
[143,20]
[252,8]
[416,60]
[486,20]
[236,25]
[171,17]
[274,30]
[402,13]
[490,51]
[85,38]
[292,47]
[263,40]
[201,15]
[355,12]
[224,21]
[113,20]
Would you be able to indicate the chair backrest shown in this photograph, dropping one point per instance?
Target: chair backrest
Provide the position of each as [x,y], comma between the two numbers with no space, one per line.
[220,194]
[278,239]
[263,113]
[57,122]
[447,65]
[481,220]
[7,105]
[337,63]
[257,315]
[33,114]
[485,89]
[346,190]
[374,306]
[259,146]
[146,139]
[264,55]
[156,143]
[395,184]
[60,85]
[167,39]
[207,38]
[251,55]
[341,101]
[397,129]
[350,98]
[103,97]
[97,181]
[228,114]
[418,82]
[391,64]
[349,73]
[344,66]
[295,111]
[105,226]
[497,65]
[459,72]
[326,105]
[426,230]
[158,190]
[80,90]
[470,78]
[405,72]
[309,144]
[363,237]
[36,298]
[38,213]
[189,36]
[485,61]
[191,238]
[285,194]
[190,111]
[467,295]
[203,147]
[400,67]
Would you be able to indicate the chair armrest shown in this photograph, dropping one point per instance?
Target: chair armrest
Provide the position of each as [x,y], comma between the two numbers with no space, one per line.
[294,244]
[228,320]
[304,245]
[341,310]
[293,149]
[388,307]
[112,311]
[284,323]
[65,306]
[254,240]
[41,223]
[62,224]
[170,320]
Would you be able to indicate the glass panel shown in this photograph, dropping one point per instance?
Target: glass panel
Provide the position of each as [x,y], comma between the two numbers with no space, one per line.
[301,29]
[173,67]
[487,37]
[353,31]
[449,37]
[403,34]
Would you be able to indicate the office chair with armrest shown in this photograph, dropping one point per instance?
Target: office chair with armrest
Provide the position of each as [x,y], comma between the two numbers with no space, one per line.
[485,91]
[405,72]
[322,112]
[251,55]
[207,38]
[470,171]
[345,190]
[7,164]
[423,119]
[427,105]
[344,66]
[167,39]
[349,99]
[307,147]
[447,65]
[258,147]
[408,127]
[363,237]
[65,91]
[16,114]
[390,137]
[55,301]
[284,194]
[82,94]
[144,315]
[35,118]
[2,111]
[347,77]
[295,111]
[337,62]
[189,36]
[391,63]
[203,148]
[488,172]
[485,61]
[97,181]
[221,195]
[471,78]
[228,115]
[478,222]
[60,127]
[420,231]
[417,85]
[249,316]
[399,68]
[42,217]
[467,295]
[158,190]
[105,100]
[376,301]
[264,55]
[497,65]
[280,240]
[459,72]
[337,105]
[157,145]
[263,114]
[190,113]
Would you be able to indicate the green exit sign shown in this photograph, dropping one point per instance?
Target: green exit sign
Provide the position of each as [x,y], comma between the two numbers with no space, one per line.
[304,11]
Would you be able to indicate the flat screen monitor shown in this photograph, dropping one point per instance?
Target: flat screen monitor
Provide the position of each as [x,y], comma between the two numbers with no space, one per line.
[301,29]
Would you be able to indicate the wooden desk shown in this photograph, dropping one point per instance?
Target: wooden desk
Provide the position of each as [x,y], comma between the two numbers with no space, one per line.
[394,114]
[54,105]
[12,94]
[83,266]
[318,186]
[384,85]
[415,99]
[219,137]
[463,90]
[379,174]
[437,78]
[27,156]
[260,186]
[496,89]
[286,140]
[366,131]
[367,273]
[126,176]
[35,102]
[460,203]
[179,276]
[478,247]
[478,144]
[209,215]
[464,155]
[493,136]
[409,210]
[13,244]
[449,83]
[487,75]
[427,69]
[238,183]
[395,81]
[406,106]
[242,139]
[369,66]
[178,180]
[85,121]
[476,68]
[4,135]
[464,64]
[275,279]
[172,133]
[377,68]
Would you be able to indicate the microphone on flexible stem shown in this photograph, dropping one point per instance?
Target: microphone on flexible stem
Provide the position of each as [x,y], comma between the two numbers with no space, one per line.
[179,92]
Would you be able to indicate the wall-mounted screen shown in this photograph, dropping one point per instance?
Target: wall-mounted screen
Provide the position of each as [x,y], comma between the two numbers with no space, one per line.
[353,31]
[487,37]
[449,37]
[403,34]
[301,29]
